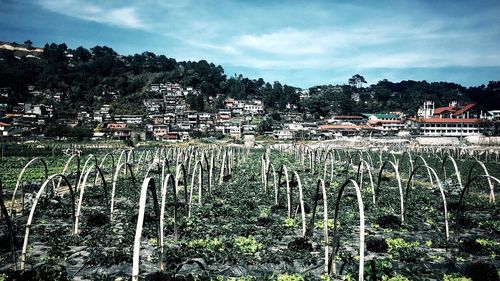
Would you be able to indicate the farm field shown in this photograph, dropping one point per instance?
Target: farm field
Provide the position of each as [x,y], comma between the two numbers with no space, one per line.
[282,212]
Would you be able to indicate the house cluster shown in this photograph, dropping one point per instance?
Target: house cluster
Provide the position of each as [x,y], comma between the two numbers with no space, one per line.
[454,120]
[168,117]
[23,119]
[365,124]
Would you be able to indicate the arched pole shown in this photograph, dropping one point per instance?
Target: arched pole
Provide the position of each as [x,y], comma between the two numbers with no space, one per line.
[66,167]
[148,184]
[440,186]
[10,229]
[301,202]
[82,191]
[32,213]
[85,167]
[115,179]
[361,229]
[168,179]
[321,184]
[398,178]
[359,178]
[487,174]
[18,183]
[470,181]
[455,166]
[181,169]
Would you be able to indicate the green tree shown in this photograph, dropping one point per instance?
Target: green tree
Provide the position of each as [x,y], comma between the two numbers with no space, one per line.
[357,81]
[265,125]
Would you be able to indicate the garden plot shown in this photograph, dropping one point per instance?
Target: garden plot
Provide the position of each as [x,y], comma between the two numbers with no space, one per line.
[231,213]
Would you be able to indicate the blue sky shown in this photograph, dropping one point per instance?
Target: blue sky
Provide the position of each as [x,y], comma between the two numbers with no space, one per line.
[300,43]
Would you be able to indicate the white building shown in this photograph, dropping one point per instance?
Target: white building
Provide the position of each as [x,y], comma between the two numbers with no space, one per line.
[283,135]
[449,127]
[254,107]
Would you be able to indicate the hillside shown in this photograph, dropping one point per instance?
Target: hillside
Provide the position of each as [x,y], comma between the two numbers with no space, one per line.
[90,78]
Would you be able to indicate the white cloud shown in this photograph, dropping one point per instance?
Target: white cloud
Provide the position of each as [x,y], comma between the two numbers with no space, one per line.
[347,37]
[287,42]
[126,17]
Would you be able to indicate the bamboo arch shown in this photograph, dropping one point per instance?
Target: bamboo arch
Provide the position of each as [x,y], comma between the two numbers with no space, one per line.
[32,213]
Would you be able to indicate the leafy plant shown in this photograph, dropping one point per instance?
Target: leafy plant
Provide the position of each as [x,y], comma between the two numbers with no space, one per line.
[330,223]
[208,244]
[290,277]
[290,223]
[377,268]
[396,277]
[247,244]
[404,250]
[454,277]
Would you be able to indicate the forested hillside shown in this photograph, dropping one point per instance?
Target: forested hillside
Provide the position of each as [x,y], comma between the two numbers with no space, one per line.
[89,78]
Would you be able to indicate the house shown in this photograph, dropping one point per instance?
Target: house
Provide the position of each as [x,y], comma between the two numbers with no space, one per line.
[129,119]
[340,130]
[5,128]
[304,94]
[454,120]
[347,130]
[387,127]
[119,131]
[5,92]
[352,119]
[230,130]
[206,119]
[84,117]
[230,103]
[160,131]
[192,118]
[385,123]
[381,117]
[103,114]
[248,128]
[233,131]
[98,135]
[294,127]
[183,127]
[237,111]
[172,136]
[224,115]
[283,135]
[154,105]
[154,88]
[254,107]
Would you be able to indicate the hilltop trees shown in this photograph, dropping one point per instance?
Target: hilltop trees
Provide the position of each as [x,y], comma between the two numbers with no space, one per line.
[487,96]
[357,81]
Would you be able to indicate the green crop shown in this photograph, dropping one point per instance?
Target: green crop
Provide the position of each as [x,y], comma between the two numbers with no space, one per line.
[247,244]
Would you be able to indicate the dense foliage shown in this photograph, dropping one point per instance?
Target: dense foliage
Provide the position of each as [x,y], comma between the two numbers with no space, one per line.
[90,78]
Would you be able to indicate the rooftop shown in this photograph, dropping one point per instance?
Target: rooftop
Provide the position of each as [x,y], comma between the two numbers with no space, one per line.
[448,120]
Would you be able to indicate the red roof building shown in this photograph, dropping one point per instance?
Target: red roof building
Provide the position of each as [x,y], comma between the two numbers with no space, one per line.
[468,110]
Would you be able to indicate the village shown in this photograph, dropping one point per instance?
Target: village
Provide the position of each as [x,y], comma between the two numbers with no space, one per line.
[169,118]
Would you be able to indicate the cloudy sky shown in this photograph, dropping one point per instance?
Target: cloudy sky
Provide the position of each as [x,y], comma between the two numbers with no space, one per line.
[300,43]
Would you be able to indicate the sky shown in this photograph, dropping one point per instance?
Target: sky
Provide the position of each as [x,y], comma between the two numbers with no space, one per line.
[299,43]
